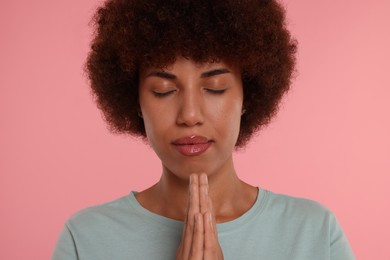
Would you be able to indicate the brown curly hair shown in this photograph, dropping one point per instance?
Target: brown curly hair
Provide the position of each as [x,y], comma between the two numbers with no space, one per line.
[133,33]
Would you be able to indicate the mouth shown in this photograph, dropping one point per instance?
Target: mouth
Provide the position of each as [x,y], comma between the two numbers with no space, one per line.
[192,145]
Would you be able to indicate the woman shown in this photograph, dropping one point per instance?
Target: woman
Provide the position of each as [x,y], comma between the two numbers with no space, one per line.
[196,79]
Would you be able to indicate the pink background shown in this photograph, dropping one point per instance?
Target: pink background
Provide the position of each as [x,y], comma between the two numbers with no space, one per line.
[330,141]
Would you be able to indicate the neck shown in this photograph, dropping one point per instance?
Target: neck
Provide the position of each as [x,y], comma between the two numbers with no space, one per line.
[229,195]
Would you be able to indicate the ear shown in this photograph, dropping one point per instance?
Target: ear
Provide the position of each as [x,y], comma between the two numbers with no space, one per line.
[243,111]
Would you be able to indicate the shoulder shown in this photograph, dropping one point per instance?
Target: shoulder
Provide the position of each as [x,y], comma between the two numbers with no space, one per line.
[292,203]
[101,213]
[301,216]
[305,216]
[296,208]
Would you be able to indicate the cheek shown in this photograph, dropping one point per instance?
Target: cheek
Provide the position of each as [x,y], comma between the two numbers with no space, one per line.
[149,118]
[157,121]
[154,132]
[154,124]
[226,118]
[234,115]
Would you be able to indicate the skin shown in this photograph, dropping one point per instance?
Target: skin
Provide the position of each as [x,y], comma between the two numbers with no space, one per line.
[185,99]
[200,237]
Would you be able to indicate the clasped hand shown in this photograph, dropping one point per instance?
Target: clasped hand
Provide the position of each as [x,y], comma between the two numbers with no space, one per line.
[200,237]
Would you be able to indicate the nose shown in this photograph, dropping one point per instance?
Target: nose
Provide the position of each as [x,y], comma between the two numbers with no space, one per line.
[190,109]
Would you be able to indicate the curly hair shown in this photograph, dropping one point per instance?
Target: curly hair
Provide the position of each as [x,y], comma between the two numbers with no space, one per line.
[130,34]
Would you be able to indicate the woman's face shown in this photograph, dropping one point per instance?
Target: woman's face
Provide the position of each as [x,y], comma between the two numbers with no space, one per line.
[192,115]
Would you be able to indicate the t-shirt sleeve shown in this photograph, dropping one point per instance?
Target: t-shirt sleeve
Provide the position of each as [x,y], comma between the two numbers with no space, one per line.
[65,249]
[339,245]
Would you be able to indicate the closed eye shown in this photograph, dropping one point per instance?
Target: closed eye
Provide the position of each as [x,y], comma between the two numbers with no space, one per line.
[215,91]
[163,94]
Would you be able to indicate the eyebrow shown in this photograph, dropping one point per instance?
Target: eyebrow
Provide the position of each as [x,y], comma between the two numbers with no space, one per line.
[214,72]
[161,74]
[207,74]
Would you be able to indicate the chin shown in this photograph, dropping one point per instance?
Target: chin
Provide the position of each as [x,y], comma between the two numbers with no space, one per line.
[184,171]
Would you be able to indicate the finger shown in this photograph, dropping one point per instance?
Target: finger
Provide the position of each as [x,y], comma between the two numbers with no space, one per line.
[192,209]
[197,239]
[205,200]
[194,196]
[213,220]
[203,193]
[208,230]
[211,246]
[193,200]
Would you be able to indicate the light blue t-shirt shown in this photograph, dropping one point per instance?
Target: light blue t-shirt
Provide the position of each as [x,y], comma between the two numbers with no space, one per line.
[277,227]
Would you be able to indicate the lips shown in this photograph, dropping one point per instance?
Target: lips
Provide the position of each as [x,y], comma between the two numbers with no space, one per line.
[192,145]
